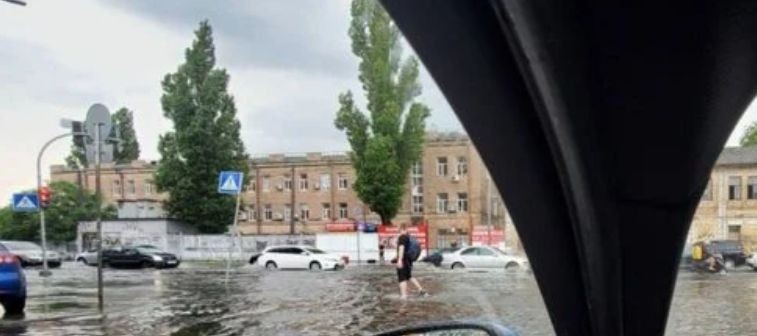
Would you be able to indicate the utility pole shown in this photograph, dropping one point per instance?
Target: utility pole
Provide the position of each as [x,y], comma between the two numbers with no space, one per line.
[98,196]
[291,205]
[45,269]
[489,209]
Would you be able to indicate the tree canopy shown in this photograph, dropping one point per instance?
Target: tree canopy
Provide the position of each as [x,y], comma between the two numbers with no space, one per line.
[389,139]
[69,205]
[205,138]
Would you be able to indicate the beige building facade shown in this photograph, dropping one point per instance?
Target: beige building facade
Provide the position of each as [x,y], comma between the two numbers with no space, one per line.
[312,192]
[728,209]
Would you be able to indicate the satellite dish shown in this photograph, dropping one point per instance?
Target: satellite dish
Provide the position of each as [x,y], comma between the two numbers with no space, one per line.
[98,114]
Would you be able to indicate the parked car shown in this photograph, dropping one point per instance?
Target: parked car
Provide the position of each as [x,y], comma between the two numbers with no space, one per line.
[297,257]
[138,257]
[88,257]
[12,283]
[731,250]
[436,257]
[30,254]
[481,257]
[752,261]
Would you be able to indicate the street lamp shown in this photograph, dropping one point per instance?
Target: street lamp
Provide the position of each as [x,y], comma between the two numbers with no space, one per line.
[75,127]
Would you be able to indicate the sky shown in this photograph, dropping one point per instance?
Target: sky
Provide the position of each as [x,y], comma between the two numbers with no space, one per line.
[288,61]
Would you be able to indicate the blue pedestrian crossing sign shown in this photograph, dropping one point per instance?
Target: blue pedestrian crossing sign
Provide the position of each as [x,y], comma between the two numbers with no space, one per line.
[230,182]
[25,202]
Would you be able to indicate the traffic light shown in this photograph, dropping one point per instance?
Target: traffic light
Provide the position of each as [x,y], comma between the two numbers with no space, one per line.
[44,196]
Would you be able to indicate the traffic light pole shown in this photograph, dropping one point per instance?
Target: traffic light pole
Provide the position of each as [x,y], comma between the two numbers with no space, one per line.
[45,270]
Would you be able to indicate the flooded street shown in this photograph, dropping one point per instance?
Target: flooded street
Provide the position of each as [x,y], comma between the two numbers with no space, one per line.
[196,299]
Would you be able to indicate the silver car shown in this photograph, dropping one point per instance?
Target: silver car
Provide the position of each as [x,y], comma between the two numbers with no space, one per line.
[30,253]
[482,257]
[87,257]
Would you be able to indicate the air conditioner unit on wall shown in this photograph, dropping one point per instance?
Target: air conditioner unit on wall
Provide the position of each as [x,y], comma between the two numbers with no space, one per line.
[452,209]
[455,178]
[280,187]
[278,216]
[317,186]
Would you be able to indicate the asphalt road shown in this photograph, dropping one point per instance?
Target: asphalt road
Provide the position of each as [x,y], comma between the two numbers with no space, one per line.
[199,299]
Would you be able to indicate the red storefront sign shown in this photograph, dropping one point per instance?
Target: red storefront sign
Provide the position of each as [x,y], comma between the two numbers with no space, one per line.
[388,235]
[340,227]
[481,235]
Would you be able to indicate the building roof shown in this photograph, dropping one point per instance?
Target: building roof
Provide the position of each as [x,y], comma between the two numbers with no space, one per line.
[738,156]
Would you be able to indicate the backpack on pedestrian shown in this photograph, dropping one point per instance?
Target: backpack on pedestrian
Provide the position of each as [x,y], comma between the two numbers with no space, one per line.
[413,248]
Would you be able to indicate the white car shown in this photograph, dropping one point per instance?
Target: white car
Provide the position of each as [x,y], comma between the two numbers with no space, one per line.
[87,257]
[297,257]
[482,257]
[752,261]
[30,253]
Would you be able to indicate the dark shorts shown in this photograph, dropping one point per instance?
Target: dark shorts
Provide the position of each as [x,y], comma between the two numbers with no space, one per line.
[405,273]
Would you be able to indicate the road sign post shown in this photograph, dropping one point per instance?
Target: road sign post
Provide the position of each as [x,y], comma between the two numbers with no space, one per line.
[230,182]
[25,202]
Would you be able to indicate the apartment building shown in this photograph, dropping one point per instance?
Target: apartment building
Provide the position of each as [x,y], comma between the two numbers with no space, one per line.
[130,187]
[728,207]
[312,192]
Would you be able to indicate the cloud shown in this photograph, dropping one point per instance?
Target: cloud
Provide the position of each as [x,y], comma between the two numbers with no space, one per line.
[310,36]
[288,61]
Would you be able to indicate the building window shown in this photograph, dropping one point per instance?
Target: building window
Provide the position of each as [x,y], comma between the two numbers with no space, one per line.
[343,184]
[417,204]
[462,166]
[441,166]
[751,187]
[343,213]
[253,183]
[734,187]
[287,183]
[416,179]
[148,188]
[268,212]
[131,187]
[462,202]
[442,203]
[287,212]
[266,183]
[304,211]
[417,168]
[326,211]
[303,182]
[116,187]
[325,181]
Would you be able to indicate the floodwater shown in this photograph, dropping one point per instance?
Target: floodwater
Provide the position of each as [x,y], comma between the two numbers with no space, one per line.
[199,299]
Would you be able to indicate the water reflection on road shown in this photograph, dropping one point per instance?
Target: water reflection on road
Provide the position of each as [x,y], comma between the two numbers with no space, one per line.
[196,300]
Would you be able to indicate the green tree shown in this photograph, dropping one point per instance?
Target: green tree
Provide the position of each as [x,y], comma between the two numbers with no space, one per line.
[749,138]
[128,149]
[125,152]
[69,206]
[205,139]
[389,140]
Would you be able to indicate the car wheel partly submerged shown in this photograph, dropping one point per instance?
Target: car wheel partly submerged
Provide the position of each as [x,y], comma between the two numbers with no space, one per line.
[14,306]
[458,266]
[271,266]
[315,266]
[512,266]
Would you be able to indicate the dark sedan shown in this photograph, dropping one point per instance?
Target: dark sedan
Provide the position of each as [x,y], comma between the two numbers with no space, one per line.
[139,257]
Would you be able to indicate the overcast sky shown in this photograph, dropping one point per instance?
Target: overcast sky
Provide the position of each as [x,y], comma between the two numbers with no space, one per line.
[288,61]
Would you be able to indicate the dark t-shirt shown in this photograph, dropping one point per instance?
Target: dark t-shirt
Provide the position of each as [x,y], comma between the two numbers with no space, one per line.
[404,240]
